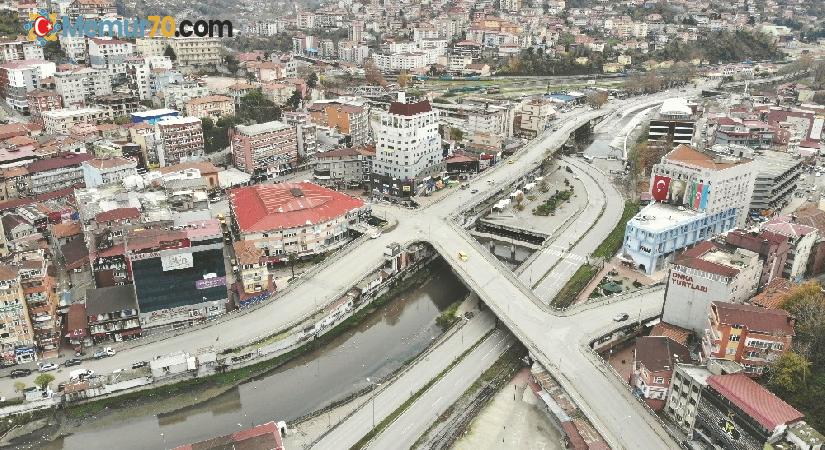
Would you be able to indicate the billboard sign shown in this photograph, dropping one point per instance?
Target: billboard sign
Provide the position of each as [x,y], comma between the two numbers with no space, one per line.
[210,282]
[176,262]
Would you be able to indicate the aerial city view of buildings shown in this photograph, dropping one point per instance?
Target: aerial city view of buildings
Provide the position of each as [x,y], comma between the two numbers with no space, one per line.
[356,224]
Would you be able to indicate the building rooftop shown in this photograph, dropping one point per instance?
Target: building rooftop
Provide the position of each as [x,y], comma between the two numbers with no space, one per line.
[67,112]
[111,163]
[59,162]
[773,163]
[209,99]
[410,109]
[687,155]
[676,333]
[756,318]
[154,113]
[709,256]
[773,295]
[788,226]
[659,353]
[756,401]
[266,207]
[258,128]
[658,217]
[110,299]
[262,437]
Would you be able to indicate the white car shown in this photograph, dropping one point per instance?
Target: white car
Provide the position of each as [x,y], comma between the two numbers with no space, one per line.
[47,367]
[621,317]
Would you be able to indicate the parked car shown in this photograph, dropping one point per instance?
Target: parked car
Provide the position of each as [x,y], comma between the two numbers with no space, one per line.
[474,191]
[621,317]
[140,364]
[17,373]
[72,362]
[47,367]
[80,374]
[104,353]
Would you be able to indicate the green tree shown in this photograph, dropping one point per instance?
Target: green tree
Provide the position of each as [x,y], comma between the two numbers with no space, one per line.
[789,373]
[292,258]
[456,134]
[806,304]
[19,386]
[255,107]
[170,52]
[312,80]
[294,100]
[43,380]
[232,63]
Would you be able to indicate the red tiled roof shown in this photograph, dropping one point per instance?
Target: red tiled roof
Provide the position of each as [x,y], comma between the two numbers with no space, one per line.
[266,436]
[692,258]
[108,163]
[766,408]
[66,229]
[410,109]
[775,322]
[117,214]
[773,295]
[659,353]
[686,154]
[677,333]
[77,319]
[288,205]
[59,162]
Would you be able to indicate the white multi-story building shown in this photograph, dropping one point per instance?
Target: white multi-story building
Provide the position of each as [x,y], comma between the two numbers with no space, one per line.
[350,51]
[18,78]
[78,86]
[75,47]
[19,50]
[110,55]
[395,62]
[100,171]
[195,52]
[696,196]
[181,139]
[705,273]
[408,143]
[151,46]
[59,121]
[269,148]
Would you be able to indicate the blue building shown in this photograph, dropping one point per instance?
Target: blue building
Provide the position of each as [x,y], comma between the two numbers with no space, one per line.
[659,230]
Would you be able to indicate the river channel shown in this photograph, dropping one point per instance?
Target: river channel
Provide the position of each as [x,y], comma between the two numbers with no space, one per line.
[380,345]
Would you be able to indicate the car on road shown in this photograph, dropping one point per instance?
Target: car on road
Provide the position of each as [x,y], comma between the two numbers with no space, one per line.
[72,362]
[80,374]
[140,364]
[47,367]
[462,256]
[621,317]
[17,373]
[474,191]
[375,235]
[104,353]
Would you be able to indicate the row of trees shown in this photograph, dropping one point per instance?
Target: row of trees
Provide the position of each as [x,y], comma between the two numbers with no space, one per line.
[660,79]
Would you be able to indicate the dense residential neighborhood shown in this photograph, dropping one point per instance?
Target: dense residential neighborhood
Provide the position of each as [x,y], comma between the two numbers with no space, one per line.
[356,224]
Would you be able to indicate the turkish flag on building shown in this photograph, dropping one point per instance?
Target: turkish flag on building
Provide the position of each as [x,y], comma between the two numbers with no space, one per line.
[660,188]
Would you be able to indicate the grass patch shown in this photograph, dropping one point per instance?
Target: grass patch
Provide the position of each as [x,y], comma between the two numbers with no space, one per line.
[448,317]
[400,410]
[234,376]
[571,290]
[613,242]
[549,206]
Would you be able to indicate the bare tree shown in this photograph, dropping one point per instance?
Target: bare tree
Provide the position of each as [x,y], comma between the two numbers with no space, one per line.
[597,99]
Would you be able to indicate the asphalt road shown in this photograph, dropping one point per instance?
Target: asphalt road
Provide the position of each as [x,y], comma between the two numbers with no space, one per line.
[413,422]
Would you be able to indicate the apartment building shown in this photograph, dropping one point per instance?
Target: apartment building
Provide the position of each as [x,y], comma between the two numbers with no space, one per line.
[348,116]
[78,86]
[750,335]
[696,196]
[772,248]
[110,55]
[343,167]
[654,358]
[211,106]
[534,115]
[408,145]
[406,61]
[18,78]
[41,100]
[294,218]
[305,131]
[709,271]
[100,171]
[19,50]
[192,51]
[181,138]
[778,177]
[686,387]
[16,331]
[39,295]
[119,104]
[91,9]
[673,125]
[53,174]
[266,149]
[802,239]
[75,47]
[254,283]
[151,46]
[59,121]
